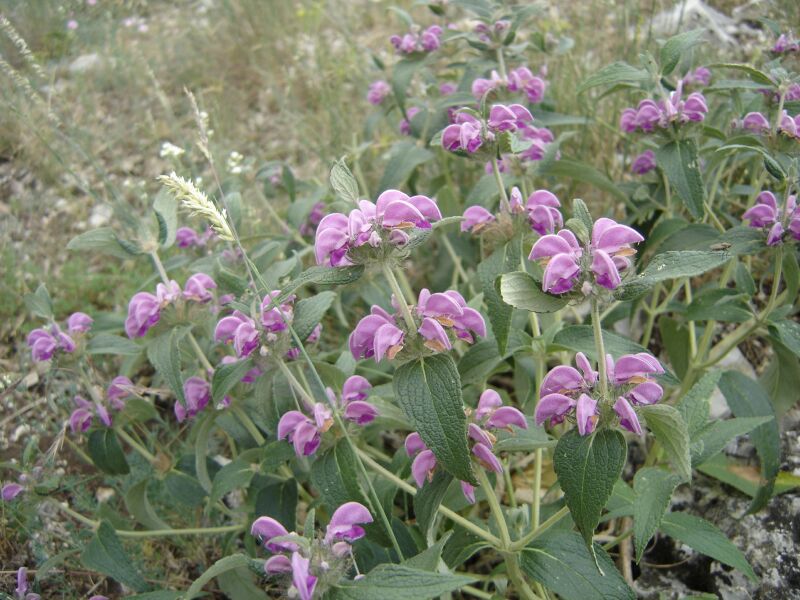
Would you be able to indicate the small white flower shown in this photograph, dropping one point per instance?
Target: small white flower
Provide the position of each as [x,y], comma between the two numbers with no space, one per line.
[170,150]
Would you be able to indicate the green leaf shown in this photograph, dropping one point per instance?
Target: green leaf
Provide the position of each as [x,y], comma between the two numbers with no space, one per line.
[400,582]
[694,406]
[561,562]
[618,72]
[788,332]
[678,160]
[587,468]
[428,559]
[166,210]
[164,354]
[278,499]
[747,398]
[405,157]
[335,476]
[672,264]
[502,260]
[236,474]
[184,489]
[39,303]
[428,499]
[580,338]
[653,487]
[521,290]
[105,554]
[238,583]
[675,46]
[223,565]
[671,431]
[343,182]
[585,173]
[429,392]
[103,241]
[581,212]
[141,509]
[702,536]
[723,304]
[106,453]
[309,312]
[322,276]
[755,74]
[715,436]
[227,376]
[402,73]
[107,343]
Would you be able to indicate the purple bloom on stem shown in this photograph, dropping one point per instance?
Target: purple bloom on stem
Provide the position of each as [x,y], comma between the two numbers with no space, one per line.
[278,564]
[186,237]
[627,120]
[197,393]
[486,458]
[627,416]
[303,432]
[22,580]
[11,491]
[788,125]
[586,414]
[144,311]
[447,88]
[469,492]
[480,87]
[355,392]
[405,124]
[543,213]
[785,44]
[755,122]
[79,322]
[169,292]
[644,163]
[521,79]
[508,118]
[197,288]
[700,76]
[376,335]
[42,344]
[378,91]
[240,329]
[423,466]
[266,529]
[302,579]
[118,390]
[346,523]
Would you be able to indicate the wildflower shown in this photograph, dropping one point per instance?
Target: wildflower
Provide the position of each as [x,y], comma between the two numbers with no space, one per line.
[542,207]
[508,118]
[79,322]
[43,343]
[21,590]
[376,335]
[405,124]
[265,529]
[302,579]
[522,80]
[476,218]
[766,213]
[644,163]
[701,76]
[186,237]
[10,491]
[186,192]
[464,134]
[240,329]
[755,122]
[313,219]
[170,150]
[566,390]
[489,415]
[378,92]
[72,24]
[81,418]
[345,523]
[606,255]
[540,138]
[447,88]
[375,225]
[248,377]
[480,87]
[197,288]
[305,433]
[197,393]
[785,44]
[118,390]
[410,43]
[355,392]
[789,126]
[651,114]
[447,311]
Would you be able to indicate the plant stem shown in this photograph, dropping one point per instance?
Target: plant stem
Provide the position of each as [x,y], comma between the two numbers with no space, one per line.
[517,578]
[533,534]
[201,356]
[136,446]
[495,508]
[537,486]
[410,489]
[505,205]
[501,63]
[248,424]
[296,385]
[600,349]
[687,287]
[400,298]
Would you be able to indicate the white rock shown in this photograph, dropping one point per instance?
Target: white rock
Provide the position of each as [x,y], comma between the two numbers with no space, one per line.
[101,215]
[85,63]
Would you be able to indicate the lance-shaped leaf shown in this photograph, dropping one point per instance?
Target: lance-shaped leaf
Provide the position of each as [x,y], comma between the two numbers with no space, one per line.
[672,433]
[502,260]
[678,160]
[653,488]
[520,290]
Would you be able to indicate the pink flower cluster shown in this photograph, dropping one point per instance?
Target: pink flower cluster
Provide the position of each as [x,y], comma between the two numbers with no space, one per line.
[305,432]
[700,77]
[119,390]
[412,42]
[312,221]
[766,214]
[186,237]
[651,114]
[565,262]
[542,209]
[489,415]
[344,528]
[520,79]
[144,309]
[469,133]
[565,391]
[786,44]
[440,315]
[644,163]
[756,122]
[384,222]
[487,32]
[378,91]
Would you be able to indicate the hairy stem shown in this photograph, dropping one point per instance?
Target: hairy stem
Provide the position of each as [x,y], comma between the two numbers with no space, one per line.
[400,298]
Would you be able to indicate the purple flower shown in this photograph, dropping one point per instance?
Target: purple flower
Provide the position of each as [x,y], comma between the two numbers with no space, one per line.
[476,218]
[701,76]
[186,237]
[240,329]
[540,138]
[313,219]
[378,91]
[785,44]
[430,38]
[79,322]
[118,390]
[346,521]
[376,335]
[522,80]
[21,590]
[480,87]
[650,114]
[627,120]
[508,118]
[11,491]
[278,564]
[197,393]
[81,418]
[169,292]
[197,288]
[42,344]
[644,163]
[275,318]
[543,213]
[755,122]
[567,390]
[766,213]
[447,88]
[250,376]
[789,126]
[266,529]
[428,41]
[305,433]
[450,310]
[302,579]
[144,311]
[466,133]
